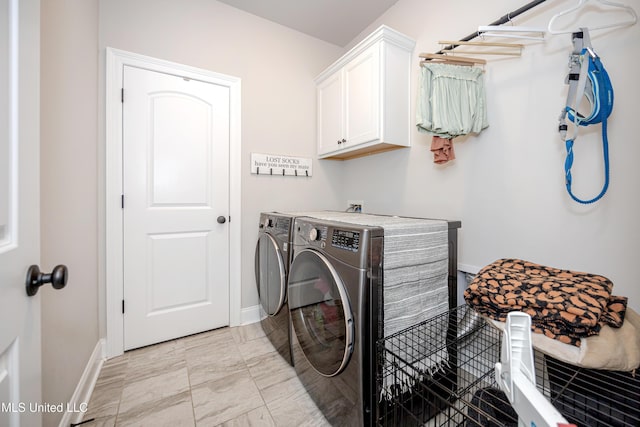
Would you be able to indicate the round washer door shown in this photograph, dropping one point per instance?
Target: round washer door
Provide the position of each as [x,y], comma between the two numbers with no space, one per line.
[320,313]
[270,275]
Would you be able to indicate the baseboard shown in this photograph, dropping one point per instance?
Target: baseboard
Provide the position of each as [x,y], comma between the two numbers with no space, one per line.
[468,268]
[250,315]
[80,398]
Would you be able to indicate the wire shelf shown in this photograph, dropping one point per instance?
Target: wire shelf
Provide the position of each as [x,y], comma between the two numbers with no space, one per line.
[440,373]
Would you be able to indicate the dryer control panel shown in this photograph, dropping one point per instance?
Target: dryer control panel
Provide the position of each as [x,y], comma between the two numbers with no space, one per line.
[348,240]
[353,245]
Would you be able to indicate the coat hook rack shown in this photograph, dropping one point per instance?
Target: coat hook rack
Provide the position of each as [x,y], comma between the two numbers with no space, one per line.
[280,165]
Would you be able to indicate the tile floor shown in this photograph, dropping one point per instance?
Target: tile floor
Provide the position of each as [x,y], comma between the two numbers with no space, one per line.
[225,377]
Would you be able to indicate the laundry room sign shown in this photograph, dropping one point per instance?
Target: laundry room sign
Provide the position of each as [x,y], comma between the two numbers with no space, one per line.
[275,164]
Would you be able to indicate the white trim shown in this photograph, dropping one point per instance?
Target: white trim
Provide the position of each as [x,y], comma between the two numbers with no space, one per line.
[250,315]
[116,60]
[80,398]
[9,240]
[235,204]
[382,33]
[468,268]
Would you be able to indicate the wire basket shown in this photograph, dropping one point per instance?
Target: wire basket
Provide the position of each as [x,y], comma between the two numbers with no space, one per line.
[441,373]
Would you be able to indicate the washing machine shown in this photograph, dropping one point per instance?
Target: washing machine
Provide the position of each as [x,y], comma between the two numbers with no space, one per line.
[333,302]
[353,280]
[272,259]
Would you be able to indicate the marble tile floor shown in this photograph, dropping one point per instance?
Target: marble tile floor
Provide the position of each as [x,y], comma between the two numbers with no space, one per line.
[225,377]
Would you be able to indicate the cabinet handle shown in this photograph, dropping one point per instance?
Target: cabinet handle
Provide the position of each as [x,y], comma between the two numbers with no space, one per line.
[344,140]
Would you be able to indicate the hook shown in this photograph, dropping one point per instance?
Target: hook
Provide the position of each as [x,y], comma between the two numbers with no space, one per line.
[307,172]
[271,171]
[296,171]
[258,171]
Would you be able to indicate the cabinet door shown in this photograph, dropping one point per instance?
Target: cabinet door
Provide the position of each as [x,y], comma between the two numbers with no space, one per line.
[362,97]
[330,114]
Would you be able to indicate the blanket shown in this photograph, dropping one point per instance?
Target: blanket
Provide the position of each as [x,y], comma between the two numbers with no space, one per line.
[613,349]
[564,305]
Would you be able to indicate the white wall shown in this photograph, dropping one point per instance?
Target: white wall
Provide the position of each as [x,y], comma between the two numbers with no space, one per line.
[507,184]
[69,201]
[277,66]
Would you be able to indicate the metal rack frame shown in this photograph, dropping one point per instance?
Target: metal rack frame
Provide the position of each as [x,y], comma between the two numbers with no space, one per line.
[441,373]
[503,20]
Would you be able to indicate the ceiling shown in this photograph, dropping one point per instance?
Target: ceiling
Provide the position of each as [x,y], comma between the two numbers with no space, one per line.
[335,21]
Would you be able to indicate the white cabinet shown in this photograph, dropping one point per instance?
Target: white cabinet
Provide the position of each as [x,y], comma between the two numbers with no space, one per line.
[330,118]
[364,98]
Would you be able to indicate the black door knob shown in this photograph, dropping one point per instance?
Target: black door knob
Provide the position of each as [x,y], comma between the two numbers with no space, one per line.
[222,219]
[36,278]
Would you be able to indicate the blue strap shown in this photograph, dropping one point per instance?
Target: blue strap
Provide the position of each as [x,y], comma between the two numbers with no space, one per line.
[569,162]
[602,100]
[601,92]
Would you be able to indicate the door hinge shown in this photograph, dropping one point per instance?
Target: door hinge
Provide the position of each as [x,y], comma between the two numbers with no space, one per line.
[122,306]
[122,95]
[122,201]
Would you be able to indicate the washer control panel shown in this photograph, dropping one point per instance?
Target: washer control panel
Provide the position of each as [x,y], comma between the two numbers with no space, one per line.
[283,224]
[280,224]
[348,240]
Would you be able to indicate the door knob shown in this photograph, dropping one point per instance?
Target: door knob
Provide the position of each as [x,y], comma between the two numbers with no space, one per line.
[36,278]
[221,219]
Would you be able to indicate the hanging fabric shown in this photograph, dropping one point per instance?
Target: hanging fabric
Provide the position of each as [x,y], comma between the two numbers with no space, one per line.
[442,149]
[451,103]
[587,78]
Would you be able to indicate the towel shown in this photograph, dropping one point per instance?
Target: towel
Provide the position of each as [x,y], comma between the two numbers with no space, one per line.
[442,149]
[564,305]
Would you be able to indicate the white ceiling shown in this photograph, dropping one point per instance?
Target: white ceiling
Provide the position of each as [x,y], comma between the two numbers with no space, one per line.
[334,21]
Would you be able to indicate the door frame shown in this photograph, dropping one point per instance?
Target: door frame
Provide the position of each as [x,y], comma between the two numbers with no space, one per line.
[114,226]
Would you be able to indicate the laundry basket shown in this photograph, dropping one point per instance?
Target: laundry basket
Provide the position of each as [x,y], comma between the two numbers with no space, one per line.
[441,373]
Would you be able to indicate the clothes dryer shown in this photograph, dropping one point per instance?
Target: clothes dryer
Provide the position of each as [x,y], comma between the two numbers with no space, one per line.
[272,259]
[333,285]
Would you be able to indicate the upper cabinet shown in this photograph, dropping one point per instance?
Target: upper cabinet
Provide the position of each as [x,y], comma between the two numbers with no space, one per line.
[363,98]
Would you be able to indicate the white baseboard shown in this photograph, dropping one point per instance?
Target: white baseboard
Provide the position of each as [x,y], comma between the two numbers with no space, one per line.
[468,268]
[82,393]
[250,315]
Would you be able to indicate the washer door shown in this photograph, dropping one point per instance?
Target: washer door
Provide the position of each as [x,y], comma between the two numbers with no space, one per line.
[270,275]
[320,313]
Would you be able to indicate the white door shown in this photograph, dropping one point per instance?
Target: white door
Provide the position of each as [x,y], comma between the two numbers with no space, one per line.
[176,204]
[20,367]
